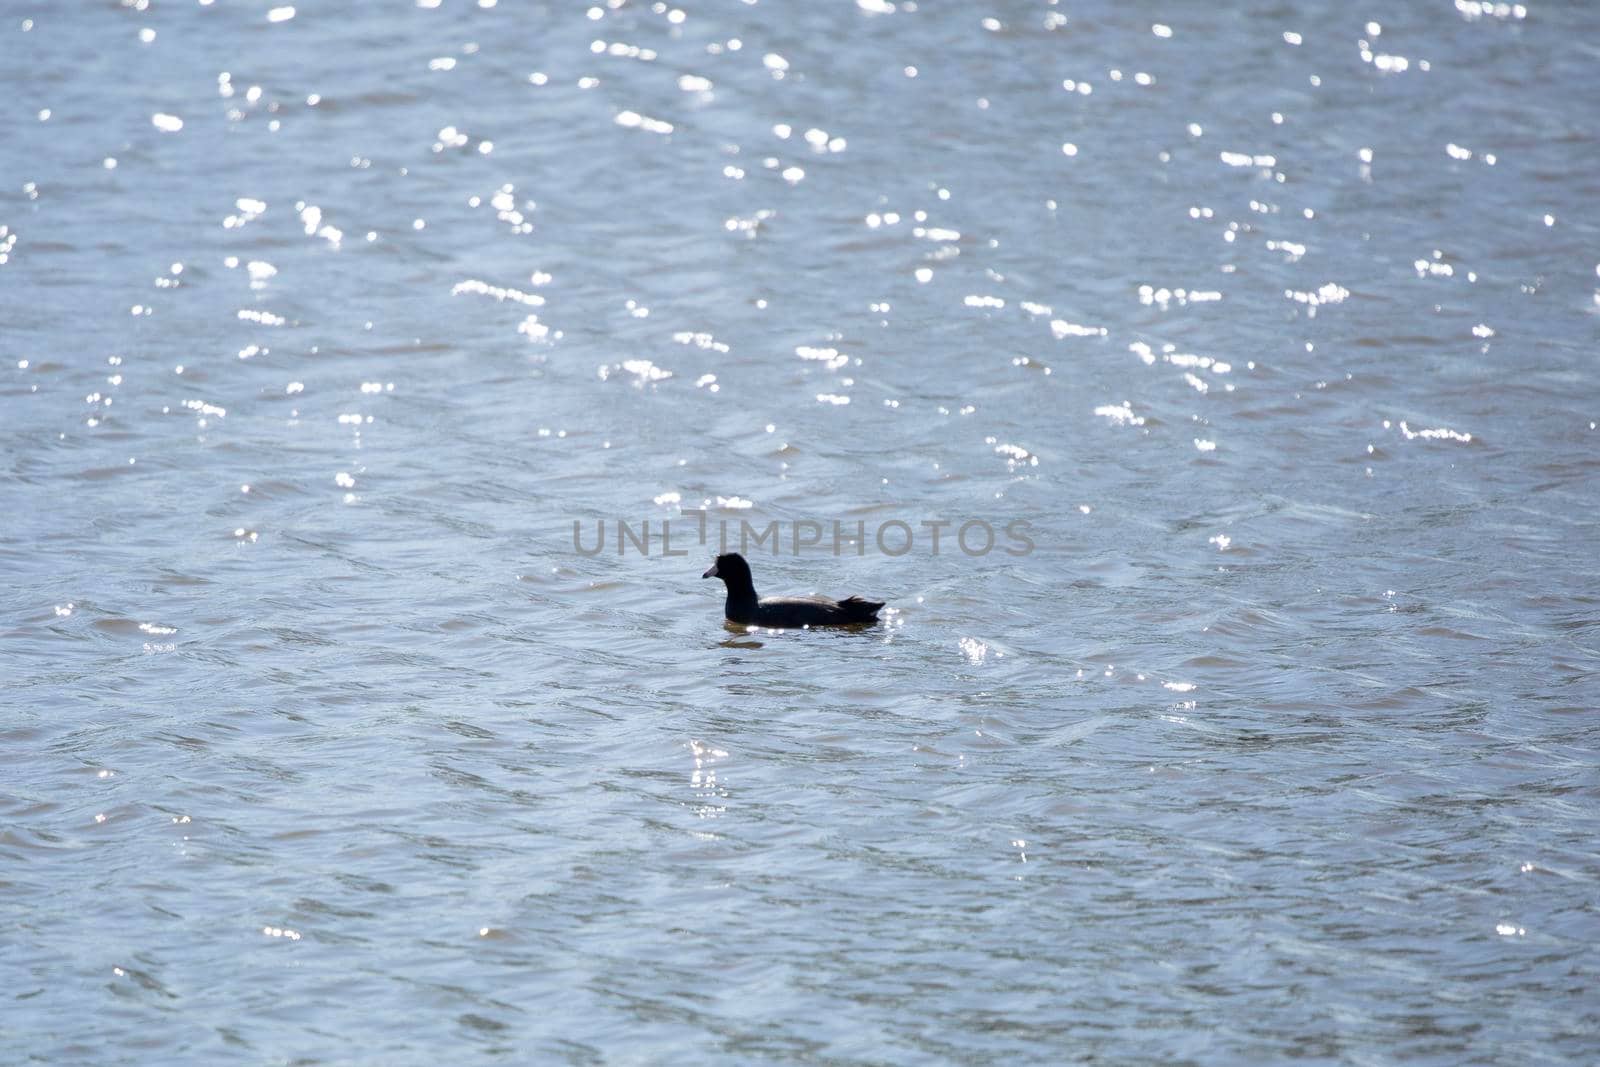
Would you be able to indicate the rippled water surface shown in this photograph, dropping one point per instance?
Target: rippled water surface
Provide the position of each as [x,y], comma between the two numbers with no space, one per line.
[1276,324]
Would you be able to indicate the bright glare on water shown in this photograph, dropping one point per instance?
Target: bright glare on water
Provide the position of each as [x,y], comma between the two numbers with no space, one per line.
[1243,356]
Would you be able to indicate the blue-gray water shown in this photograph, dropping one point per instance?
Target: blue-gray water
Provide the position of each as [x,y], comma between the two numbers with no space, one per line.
[320,326]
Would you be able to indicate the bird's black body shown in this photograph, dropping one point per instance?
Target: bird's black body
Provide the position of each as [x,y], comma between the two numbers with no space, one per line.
[784,612]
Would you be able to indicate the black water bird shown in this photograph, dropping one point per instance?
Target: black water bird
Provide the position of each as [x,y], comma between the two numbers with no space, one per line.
[784,612]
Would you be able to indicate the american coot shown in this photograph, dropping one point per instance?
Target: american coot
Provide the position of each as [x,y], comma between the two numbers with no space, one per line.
[784,612]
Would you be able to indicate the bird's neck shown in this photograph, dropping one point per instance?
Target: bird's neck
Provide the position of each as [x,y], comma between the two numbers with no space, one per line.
[741,601]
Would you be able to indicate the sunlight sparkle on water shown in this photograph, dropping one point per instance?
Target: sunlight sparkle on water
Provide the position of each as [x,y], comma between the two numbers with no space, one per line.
[635,121]
[1120,414]
[1440,433]
[700,340]
[496,292]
